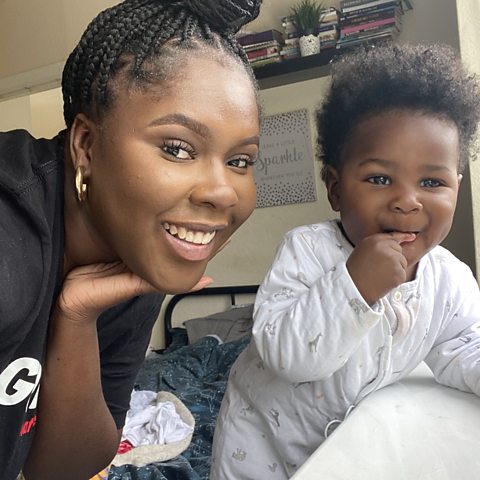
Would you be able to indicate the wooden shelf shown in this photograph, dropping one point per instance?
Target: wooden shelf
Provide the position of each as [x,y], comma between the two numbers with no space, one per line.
[295,70]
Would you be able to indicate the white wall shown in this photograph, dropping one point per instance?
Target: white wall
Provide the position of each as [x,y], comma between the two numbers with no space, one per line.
[15,113]
[469,33]
[38,33]
[47,113]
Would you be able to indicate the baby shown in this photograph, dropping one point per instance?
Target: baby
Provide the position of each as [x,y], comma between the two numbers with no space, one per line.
[352,305]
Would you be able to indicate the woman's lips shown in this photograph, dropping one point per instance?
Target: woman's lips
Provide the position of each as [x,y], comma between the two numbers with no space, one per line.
[192,245]
[197,237]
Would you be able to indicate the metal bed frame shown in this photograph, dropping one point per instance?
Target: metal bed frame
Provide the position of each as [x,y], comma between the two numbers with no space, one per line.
[231,291]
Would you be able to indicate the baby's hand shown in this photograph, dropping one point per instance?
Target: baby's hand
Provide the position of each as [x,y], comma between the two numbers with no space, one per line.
[377,264]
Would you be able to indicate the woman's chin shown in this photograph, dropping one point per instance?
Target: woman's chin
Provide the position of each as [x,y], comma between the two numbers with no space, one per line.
[182,284]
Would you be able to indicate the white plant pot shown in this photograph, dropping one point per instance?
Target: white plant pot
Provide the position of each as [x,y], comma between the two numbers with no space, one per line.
[309,45]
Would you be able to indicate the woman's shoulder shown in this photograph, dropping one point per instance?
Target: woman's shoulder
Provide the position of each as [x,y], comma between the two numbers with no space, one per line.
[23,158]
[31,224]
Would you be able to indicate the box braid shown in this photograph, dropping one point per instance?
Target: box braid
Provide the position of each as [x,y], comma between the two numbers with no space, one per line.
[136,31]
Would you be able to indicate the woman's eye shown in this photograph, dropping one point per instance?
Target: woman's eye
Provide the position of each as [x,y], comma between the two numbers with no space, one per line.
[179,149]
[379,180]
[431,183]
[241,162]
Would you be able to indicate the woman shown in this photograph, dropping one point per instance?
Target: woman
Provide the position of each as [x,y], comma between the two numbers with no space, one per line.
[148,182]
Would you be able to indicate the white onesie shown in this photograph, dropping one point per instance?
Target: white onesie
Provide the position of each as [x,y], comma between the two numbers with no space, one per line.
[318,348]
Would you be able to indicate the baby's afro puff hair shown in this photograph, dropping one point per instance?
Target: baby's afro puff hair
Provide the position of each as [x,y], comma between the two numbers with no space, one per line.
[375,79]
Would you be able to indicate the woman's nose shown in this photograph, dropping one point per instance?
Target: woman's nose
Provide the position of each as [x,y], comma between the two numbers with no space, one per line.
[214,189]
[406,200]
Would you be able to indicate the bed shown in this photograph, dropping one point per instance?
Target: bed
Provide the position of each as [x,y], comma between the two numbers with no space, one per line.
[194,367]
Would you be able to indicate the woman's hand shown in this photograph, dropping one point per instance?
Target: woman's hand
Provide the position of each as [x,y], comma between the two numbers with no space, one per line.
[89,290]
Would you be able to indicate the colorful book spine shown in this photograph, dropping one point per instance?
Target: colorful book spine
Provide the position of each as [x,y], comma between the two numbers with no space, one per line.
[377,37]
[368,26]
[267,61]
[257,46]
[261,37]
[263,52]
[369,17]
[368,10]
[368,32]
[369,4]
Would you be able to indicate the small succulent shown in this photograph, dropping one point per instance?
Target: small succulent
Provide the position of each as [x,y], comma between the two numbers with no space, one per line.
[307,15]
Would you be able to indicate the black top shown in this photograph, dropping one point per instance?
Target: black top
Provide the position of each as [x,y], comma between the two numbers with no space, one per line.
[31,273]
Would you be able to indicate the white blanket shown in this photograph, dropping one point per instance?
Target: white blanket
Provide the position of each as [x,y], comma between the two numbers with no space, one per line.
[158,425]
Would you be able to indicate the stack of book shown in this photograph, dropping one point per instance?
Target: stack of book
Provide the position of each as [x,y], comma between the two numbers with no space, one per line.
[370,20]
[262,48]
[328,28]
[291,47]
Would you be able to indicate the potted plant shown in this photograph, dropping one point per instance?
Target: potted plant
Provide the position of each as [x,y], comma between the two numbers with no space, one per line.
[307,16]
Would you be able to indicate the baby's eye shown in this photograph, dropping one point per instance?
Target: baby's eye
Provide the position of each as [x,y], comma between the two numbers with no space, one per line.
[379,180]
[430,183]
[179,149]
[241,162]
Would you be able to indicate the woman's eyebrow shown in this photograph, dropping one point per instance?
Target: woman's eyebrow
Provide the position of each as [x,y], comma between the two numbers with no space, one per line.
[185,121]
[254,140]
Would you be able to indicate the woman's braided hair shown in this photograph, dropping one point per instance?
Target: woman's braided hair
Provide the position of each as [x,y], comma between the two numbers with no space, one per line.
[136,31]
[374,79]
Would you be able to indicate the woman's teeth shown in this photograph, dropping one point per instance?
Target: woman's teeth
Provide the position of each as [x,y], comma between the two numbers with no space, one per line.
[199,238]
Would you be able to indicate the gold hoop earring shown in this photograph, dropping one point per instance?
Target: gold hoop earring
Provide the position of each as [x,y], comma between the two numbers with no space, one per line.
[80,185]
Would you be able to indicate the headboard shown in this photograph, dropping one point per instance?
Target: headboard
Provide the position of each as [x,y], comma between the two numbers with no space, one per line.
[230,291]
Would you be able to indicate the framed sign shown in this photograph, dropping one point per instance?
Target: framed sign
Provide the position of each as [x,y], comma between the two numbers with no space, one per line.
[284,172]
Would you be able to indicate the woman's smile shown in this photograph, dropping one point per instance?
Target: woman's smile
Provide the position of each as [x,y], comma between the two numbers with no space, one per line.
[190,244]
[190,235]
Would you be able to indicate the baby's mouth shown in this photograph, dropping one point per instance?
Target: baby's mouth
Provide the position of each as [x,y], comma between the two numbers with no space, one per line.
[392,230]
[191,236]
[411,235]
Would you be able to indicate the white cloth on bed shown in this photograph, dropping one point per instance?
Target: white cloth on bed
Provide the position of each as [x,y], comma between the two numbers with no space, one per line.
[151,422]
[318,349]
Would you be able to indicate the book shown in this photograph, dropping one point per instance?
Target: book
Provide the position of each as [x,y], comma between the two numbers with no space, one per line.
[292,42]
[328,28]
[344,31]
[260,37]
[370,3]
[371,39]
[267,61]
[257,46]
[263,52]
[329,15]
[328,41]
[369,16]
[355,3]
[370,32]
[264,57]
[369,10]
